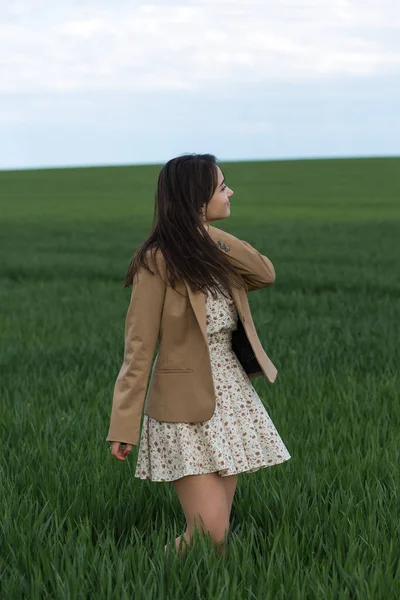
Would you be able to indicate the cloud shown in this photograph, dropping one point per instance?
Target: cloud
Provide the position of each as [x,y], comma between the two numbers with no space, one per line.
[83,46]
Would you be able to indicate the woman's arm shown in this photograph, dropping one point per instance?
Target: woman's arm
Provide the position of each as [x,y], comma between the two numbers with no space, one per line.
[142,325]
[256,269]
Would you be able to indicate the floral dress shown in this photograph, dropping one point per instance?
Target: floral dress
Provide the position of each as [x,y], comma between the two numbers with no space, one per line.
[240,436]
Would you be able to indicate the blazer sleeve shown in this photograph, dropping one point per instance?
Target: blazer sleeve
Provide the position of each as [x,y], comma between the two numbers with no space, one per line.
[256,269]
[142,325]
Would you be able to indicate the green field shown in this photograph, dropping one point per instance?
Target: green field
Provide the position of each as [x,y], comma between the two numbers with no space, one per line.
[75,523]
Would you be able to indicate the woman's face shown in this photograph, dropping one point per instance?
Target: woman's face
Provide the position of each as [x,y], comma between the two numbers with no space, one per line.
[218,207]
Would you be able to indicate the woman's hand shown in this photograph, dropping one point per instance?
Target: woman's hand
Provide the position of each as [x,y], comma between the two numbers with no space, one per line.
[120,449]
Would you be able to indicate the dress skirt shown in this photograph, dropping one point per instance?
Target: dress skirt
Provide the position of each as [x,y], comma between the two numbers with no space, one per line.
[240,436]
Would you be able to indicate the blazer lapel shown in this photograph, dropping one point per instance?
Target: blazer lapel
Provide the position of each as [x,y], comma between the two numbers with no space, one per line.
[240,345]
[198,302]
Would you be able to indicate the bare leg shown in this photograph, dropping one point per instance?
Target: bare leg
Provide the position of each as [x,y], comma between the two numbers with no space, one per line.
[186,537]
[204,496]
[230,487]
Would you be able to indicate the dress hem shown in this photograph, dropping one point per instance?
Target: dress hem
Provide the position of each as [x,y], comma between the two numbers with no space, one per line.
[251,470]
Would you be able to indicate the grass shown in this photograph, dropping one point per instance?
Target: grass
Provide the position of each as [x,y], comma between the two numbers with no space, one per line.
[75,523]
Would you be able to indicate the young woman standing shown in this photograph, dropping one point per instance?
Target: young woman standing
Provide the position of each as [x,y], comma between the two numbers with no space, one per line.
[203,420]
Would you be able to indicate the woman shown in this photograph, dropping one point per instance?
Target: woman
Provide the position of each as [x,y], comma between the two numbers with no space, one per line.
[203,420]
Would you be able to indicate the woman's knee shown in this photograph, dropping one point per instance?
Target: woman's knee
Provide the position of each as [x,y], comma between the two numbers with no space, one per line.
[214,523]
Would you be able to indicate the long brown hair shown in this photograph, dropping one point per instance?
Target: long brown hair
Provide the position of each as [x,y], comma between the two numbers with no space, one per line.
[184,184]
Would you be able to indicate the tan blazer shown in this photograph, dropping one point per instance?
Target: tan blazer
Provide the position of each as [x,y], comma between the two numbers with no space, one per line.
[181,386]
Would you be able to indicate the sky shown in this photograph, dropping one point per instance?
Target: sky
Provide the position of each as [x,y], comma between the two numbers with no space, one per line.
[100,83]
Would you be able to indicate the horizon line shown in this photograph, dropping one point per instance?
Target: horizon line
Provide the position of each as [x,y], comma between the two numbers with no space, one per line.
[220,161]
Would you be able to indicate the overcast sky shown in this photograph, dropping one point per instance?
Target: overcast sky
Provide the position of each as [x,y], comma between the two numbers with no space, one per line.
[131,82]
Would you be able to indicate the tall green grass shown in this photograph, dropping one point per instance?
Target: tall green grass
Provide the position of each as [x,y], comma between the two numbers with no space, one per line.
[75,523]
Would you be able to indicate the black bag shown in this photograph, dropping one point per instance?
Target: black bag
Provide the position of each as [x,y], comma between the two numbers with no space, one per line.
[243,350]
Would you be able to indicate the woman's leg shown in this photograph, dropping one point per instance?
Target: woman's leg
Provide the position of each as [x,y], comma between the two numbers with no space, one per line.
[230,487]
[204,496]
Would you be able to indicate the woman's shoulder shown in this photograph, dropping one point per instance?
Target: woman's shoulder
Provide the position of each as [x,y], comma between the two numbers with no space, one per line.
[154,258]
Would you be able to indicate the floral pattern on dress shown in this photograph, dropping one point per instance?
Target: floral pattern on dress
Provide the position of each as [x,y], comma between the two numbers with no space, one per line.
[240,436]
